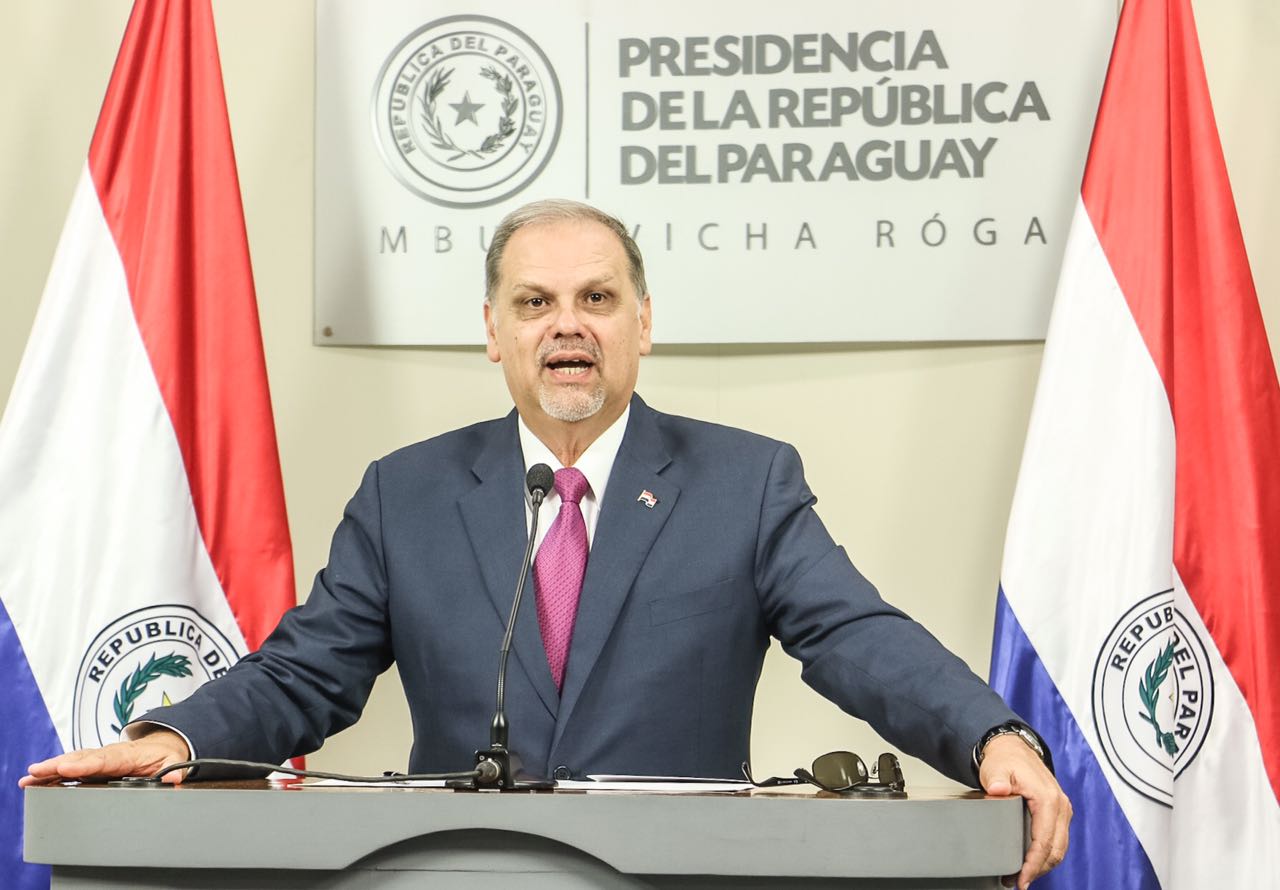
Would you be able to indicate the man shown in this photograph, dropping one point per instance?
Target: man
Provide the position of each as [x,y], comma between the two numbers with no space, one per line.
[703,543]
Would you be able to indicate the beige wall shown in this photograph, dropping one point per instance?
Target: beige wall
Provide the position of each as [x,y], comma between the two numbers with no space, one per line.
[914,450]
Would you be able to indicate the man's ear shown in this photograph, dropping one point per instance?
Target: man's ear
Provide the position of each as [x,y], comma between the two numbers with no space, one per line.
[491,333]
[646,325]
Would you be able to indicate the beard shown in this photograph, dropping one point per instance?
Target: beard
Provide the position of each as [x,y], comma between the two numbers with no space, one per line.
[571,403]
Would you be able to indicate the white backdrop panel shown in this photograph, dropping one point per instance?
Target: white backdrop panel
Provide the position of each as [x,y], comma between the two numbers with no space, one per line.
[807,171]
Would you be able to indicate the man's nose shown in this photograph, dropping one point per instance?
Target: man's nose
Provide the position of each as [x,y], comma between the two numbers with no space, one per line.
[567,320]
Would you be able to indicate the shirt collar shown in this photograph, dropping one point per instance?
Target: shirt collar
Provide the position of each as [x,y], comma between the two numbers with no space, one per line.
[596,463]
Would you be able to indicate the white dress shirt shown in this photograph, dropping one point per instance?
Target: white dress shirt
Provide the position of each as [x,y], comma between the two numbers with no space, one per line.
[596,463]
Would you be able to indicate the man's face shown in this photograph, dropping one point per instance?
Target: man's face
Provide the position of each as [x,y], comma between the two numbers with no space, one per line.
[566,322]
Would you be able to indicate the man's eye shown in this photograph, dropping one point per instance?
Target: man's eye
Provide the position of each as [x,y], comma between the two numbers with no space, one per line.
[535,302]
[597,298]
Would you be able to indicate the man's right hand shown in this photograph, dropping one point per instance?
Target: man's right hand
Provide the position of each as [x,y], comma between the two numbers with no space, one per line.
[142,757]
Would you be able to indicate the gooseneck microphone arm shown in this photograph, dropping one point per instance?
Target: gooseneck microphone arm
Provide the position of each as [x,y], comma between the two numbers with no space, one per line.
[498,767]
[539,480]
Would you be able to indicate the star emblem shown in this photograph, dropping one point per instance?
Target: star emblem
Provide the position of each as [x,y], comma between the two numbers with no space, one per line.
[466,109]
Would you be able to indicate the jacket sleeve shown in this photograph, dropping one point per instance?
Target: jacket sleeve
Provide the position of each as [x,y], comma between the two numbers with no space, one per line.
[312,676]
[857,650]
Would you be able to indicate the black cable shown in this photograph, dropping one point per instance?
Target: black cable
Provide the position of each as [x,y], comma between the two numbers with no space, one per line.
[312,774]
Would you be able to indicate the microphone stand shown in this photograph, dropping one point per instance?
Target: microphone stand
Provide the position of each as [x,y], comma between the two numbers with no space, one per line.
[498,767]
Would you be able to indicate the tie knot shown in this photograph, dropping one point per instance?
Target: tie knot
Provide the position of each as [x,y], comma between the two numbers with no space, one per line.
[571,485]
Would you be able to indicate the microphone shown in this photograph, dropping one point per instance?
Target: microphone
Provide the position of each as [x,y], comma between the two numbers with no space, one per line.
[498,766]
[539,481]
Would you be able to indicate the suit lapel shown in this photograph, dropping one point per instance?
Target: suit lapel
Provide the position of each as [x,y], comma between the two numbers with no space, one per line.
[493,514]
[625,532]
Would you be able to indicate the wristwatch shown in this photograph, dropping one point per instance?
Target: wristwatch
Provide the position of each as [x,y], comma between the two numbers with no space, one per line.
[1022,731]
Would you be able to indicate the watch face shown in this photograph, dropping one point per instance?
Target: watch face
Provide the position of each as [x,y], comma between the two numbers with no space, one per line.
[1021,731]
[1032,742]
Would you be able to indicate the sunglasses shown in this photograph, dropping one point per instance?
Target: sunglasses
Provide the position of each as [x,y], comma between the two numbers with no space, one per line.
[843,772]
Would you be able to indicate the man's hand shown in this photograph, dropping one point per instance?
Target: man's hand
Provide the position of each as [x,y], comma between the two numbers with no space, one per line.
[1009,766]
[143,757]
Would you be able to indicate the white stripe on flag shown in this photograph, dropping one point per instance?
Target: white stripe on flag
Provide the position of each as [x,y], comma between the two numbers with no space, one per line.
[1225,821]
[98,517]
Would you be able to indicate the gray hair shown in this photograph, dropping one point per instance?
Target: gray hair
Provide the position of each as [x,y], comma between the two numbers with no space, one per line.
[558,210]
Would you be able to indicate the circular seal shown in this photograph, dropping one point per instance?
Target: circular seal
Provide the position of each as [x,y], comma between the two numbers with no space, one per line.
[466,111]
[148,658]
[1152,696]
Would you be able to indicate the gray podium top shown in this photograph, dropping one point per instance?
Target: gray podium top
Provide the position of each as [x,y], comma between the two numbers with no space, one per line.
[253,825]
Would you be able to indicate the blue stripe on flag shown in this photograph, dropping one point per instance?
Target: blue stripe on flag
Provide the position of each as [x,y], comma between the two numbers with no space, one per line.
[26,735]
[1104,851]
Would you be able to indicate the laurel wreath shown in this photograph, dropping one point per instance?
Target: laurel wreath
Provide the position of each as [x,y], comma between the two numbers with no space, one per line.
[506,125]
[1149,692]
[441,139]
[134,685]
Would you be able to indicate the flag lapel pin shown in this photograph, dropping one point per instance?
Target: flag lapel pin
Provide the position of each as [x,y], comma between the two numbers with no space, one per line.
[647,498]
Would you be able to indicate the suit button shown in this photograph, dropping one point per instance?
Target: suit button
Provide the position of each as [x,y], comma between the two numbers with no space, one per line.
[562,772]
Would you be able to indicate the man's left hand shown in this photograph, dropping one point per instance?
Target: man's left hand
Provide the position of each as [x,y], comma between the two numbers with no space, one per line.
[1009,766]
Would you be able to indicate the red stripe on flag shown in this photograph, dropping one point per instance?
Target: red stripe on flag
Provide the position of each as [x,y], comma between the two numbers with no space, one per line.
[1157,191]
[164,167]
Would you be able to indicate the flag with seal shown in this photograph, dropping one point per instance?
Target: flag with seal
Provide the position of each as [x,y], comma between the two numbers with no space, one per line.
[143,541]
[1137,621]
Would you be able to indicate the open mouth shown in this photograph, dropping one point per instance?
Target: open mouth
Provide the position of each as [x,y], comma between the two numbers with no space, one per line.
[567,365]
[572,368]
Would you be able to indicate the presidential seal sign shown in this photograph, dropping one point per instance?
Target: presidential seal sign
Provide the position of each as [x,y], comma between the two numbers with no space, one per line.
[1152,696]
[466,111]
[147,658]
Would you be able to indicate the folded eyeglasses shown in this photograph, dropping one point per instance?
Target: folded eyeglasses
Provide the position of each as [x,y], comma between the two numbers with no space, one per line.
[844,773]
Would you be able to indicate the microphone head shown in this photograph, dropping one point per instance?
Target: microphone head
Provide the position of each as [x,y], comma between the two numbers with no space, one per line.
[539,480]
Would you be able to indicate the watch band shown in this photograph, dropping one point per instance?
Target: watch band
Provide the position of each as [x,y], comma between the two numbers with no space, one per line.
[1022,731]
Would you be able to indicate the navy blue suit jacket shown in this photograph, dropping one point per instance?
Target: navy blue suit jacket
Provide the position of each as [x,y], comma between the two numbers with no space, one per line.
[678,606]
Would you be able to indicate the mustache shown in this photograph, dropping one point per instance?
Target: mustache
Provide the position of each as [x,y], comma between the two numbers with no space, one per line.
[572,344]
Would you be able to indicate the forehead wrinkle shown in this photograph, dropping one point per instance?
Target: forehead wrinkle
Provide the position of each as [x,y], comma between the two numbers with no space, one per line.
[599,281]
[603,249]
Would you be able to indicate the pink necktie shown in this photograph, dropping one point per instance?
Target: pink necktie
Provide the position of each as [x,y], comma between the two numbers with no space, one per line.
[558,569]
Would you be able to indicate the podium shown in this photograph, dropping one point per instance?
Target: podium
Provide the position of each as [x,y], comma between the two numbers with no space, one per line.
[256,835]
